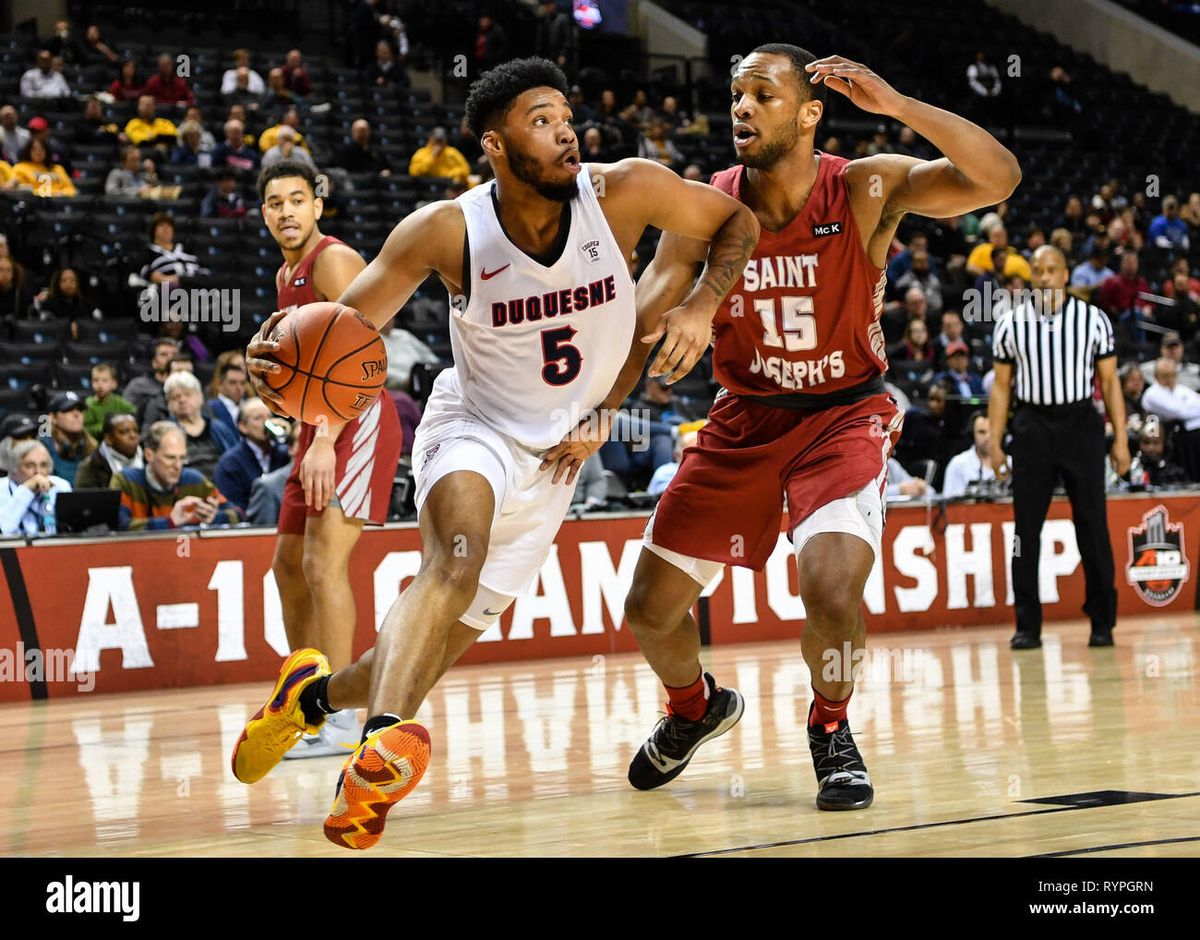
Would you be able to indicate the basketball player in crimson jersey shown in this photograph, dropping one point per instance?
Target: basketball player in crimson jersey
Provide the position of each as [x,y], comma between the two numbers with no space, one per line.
[544,328]
[799,351]
[320,520]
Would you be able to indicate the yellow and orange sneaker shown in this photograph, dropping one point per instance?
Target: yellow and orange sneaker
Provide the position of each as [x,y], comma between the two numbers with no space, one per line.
[386,767]
[280,723]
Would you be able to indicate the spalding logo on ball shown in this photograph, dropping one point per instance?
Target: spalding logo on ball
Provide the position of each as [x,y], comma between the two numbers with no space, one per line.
[332,363]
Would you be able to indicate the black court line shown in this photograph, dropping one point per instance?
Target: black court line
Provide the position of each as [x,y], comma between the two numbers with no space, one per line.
[1121,845]
[24,613]
[913,828]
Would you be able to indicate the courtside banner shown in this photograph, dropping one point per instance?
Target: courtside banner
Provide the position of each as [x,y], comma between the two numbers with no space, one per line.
[178,609]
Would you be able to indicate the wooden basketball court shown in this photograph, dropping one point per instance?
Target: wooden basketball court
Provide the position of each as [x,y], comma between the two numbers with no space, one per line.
[973,750]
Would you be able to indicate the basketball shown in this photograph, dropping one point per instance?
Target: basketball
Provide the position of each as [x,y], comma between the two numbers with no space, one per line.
[332,363]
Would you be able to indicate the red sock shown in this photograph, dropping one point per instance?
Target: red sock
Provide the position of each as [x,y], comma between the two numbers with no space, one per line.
[827,712]
[689,701]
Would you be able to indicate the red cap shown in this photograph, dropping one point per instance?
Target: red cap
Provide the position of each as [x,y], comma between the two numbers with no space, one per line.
[38,124]
[957,346]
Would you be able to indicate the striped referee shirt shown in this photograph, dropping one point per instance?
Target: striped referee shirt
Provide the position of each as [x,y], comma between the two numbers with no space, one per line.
[1053,355]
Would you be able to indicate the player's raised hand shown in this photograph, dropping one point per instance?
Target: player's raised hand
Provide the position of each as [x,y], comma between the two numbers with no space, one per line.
[259,368]
[857,82]
[568,455]
[686,332]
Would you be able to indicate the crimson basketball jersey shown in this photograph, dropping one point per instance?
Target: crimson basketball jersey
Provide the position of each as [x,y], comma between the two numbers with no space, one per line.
[299,290]
[804,316]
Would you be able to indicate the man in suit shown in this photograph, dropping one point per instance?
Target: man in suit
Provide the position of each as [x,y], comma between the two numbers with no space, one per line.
[266,493]
[231,392]
[958,372]
[258,453]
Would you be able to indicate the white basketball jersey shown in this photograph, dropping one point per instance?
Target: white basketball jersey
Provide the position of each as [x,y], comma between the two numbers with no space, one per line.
[539,345]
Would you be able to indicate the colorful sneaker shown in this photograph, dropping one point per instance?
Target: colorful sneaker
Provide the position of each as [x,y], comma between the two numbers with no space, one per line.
[675,739]
[338,737]
[842,779]
[280,723]
[386,767]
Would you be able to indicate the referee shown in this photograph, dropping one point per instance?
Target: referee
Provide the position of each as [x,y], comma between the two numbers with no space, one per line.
[1045,361]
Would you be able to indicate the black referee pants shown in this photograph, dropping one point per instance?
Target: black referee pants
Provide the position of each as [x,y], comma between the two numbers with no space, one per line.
[1067,440]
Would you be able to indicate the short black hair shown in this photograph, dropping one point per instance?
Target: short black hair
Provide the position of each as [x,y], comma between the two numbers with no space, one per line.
[799,58]
[112,418]
[492,94]
[283,169]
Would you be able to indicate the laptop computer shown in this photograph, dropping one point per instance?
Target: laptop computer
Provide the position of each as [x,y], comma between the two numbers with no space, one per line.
[81,511]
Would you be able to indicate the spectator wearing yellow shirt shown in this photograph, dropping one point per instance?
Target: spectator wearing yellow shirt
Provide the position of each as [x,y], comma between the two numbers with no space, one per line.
[35,172]
[438,158]
[980,259]
[147,127]
[8,179]
[269,138]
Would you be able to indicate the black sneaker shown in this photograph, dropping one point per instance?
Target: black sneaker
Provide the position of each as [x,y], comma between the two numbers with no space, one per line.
[1101,638]
[842,780]
[1025,641]
[675,739]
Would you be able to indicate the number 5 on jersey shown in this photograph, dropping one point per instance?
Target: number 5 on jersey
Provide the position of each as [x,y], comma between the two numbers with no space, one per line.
[799,325]
[562,358]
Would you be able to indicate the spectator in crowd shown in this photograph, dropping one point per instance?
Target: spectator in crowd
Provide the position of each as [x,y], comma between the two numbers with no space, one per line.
[241,93]
[1067,107]
[1182,311]
[287,147]
[28,494]
[929,434]
[385,70]
[248,120]
[229,377]
[438,158]
[148,127]
[1123,234]
[134,176]
[169,88]
[14,428]
[14,299]
[43,80]
[148,387]
[13,137]
[1171,347]
[194,115]
[1151,458]
[63,45]
[95,129]
[897,316]
[902,483]
[404,350]
[223,201]
[643,438]
[1064,241]
[655,145]
[983,78]
[1169,399]
[37,173]
[1133,384]
[901,262]
[207,439]
[979,260]
[104,399]
[266,492]
[295,76]
[491,44]
[164,494]
[693,173]
[289,118]
[67,442]
[128,85]
[278,96]
[167,262]
[1120,295]
[591,487]
[191,347]
[64,299]
[581,112]
[95,50]
[557,37]
[187,150]
[119,451]
[156,408]
[359,156]
[973,464]
[1180,268]
[921,274]
[256,454]
[233,151]
[1072,218]
[594,150]
[959,374]
[666,473]
[1092,272]
[229,80]
[39,129]
[1168,231]
[916,345]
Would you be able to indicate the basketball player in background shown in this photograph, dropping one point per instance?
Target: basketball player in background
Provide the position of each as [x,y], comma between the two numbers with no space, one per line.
[799,351]
[318,531]
[544,331]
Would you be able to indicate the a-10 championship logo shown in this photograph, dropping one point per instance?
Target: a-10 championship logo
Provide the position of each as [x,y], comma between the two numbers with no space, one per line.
[1157,567]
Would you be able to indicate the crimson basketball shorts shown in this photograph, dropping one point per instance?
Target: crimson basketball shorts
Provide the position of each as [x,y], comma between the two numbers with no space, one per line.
[368,452]
[725,504]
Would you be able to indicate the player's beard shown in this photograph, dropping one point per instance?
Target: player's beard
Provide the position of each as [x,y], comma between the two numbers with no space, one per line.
[525,168]
[773,151]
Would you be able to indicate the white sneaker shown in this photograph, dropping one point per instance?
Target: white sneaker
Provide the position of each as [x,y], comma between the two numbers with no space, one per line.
[339,735]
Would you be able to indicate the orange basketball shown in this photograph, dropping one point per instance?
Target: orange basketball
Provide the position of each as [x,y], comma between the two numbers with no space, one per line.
[332,363]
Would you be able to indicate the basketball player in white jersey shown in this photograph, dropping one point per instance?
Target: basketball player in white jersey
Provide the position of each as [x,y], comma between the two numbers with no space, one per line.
[545,334]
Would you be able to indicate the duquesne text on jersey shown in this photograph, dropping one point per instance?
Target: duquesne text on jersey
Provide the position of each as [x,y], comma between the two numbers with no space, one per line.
[554,303]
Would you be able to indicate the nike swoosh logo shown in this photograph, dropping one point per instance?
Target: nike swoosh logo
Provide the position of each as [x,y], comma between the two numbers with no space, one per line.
[492,613]
[488,275]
